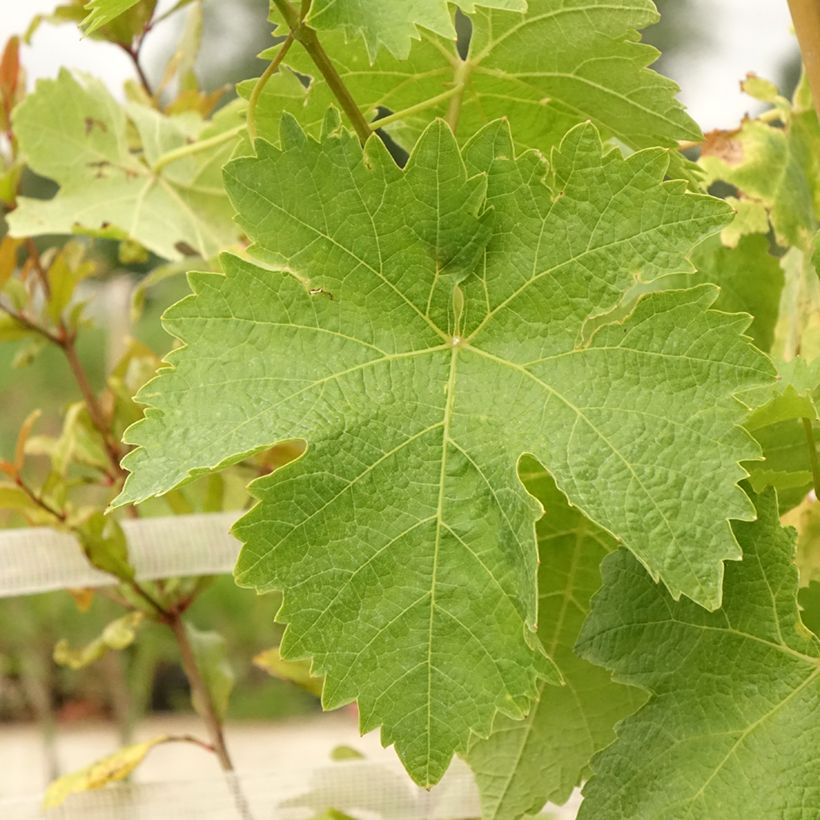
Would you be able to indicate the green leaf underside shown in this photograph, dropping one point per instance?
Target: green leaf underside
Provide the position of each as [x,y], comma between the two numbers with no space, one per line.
[102,12]
[592,70]
[73,131]
[403,536]
[394,27]
[731,728]
[527,763]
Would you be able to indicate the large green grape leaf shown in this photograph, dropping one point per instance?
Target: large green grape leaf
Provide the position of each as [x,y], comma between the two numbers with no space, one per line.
[426,329]
[394,26]
[564,62]
[731,729]
[525,763]
[73,131]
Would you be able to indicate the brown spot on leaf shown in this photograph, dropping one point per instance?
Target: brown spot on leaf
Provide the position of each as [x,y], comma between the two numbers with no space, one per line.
[185,249]
[724,145]
[91,123]
[321,292]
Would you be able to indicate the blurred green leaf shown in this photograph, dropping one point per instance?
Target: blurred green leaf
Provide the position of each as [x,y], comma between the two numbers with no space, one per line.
[102,12]
[117,635]
[297,672]
[210,651]
[104,544]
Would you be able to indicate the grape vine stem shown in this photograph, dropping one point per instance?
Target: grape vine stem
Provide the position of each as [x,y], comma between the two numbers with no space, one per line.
[415,109]
[308,39]
[273,67]
[196,147]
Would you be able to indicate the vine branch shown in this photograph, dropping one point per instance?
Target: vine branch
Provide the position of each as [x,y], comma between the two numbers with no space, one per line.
[200,691]
[134,55]
[806,18]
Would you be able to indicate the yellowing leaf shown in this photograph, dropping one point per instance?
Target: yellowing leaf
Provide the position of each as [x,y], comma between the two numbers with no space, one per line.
[116,766]
[106,189]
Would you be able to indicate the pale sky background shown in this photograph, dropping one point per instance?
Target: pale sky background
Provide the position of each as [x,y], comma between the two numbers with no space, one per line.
[753,35]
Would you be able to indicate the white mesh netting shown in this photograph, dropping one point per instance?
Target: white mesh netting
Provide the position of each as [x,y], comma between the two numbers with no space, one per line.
[39,559]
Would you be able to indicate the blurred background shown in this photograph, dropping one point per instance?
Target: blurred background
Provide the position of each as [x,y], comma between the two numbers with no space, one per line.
[707,48]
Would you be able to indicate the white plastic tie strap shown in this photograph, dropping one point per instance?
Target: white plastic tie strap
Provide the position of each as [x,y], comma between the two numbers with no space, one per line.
[40,559]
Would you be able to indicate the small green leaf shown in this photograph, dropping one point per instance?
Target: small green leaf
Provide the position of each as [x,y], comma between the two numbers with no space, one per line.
[750,281]
[104,544]
[210,651]
[102,13]
[393,26]
[117,635]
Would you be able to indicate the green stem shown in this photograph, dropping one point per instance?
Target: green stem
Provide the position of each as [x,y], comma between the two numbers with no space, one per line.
[462,74]
[415,109]
[272,68]
[196,147]
[813,460]
[308,39]
[201,692]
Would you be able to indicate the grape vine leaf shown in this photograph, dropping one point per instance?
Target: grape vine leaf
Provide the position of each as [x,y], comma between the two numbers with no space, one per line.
[109,769]
[73,131]
[392,26]
[594,69]
[426,328]
[526,763]
[731,728]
